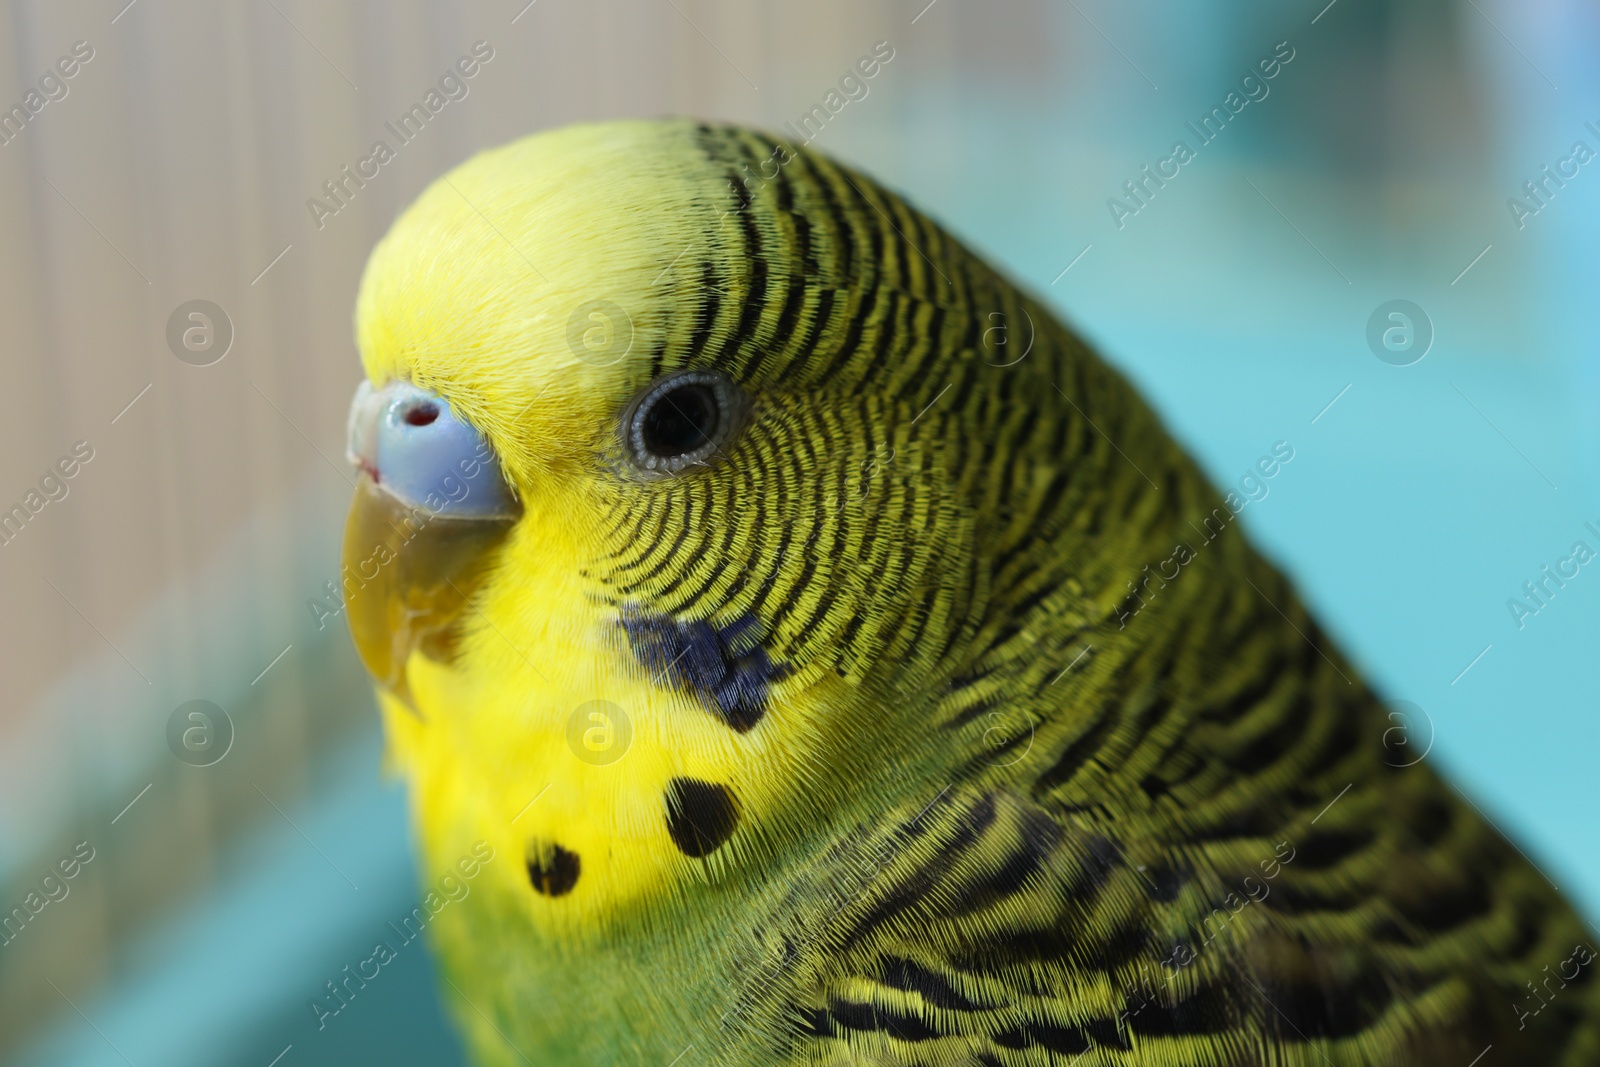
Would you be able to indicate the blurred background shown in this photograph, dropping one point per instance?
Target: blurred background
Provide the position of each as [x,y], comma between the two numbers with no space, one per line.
[244,849]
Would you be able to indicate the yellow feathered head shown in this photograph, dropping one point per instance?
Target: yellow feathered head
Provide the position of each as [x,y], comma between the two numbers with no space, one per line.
[680,502]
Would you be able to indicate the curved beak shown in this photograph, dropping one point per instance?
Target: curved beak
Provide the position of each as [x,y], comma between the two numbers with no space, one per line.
[430,506]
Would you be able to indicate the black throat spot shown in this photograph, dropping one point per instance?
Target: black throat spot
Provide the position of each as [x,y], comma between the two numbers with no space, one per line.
[700,815]
[725,668]
[552,870]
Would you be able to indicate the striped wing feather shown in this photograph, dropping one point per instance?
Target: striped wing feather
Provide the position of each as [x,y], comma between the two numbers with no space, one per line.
[1202,842]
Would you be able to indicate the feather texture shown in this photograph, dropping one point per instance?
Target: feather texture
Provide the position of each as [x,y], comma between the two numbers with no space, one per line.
[964,725]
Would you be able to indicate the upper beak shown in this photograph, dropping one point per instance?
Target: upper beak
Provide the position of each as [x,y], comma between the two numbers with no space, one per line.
[430,505]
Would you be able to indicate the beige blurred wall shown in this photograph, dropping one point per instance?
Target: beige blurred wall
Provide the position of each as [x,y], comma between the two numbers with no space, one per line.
[178,165]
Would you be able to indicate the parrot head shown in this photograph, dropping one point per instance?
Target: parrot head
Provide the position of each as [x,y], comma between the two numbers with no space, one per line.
[661,523]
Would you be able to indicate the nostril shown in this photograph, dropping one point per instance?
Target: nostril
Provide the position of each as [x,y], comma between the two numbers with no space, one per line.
[422,414]
[427,455]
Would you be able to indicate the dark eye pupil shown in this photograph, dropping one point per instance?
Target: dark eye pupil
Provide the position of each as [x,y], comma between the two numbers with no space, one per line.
[680,421]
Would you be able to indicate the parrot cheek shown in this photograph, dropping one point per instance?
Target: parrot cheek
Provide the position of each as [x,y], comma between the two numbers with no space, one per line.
[407,573]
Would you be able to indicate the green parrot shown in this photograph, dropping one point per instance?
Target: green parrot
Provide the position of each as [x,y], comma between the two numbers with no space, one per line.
[802,649]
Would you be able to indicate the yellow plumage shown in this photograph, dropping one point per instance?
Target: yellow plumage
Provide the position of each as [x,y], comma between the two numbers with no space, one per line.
[908,777]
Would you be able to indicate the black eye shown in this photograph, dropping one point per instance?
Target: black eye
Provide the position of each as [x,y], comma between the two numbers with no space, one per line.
[681,420]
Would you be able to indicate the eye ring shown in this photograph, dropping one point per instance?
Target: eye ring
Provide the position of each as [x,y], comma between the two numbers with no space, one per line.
[681,420]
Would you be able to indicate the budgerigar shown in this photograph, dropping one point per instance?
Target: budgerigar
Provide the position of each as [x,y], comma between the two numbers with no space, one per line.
[841,665]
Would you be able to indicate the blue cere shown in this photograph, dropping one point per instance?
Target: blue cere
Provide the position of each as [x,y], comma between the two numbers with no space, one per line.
[416,449]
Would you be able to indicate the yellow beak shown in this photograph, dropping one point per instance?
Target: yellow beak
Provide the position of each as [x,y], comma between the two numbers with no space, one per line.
[430,506]
[408,577]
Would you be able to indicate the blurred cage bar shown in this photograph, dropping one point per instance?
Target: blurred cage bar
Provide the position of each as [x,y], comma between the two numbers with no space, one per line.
[177,166]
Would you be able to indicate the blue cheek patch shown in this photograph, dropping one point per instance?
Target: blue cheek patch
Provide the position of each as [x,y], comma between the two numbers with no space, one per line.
[725,668]
[417,450]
